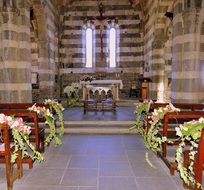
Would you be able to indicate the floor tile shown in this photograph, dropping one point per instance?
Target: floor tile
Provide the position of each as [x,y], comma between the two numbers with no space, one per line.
[83,161]
[44,176]
[29,187]
[117,183]
[115,169]
[80,177]
[154,183]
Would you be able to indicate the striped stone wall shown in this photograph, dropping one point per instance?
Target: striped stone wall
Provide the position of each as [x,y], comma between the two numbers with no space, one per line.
[15,74]
[130,53]
[157,42]
[187,68]
[46,18]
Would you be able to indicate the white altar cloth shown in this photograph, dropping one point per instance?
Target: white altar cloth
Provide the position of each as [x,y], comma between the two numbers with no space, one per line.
[115,84]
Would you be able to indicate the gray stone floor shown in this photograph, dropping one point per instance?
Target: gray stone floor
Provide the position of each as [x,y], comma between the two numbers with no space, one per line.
[97,162]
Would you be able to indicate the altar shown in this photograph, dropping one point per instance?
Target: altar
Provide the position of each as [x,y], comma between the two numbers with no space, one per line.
[102,85]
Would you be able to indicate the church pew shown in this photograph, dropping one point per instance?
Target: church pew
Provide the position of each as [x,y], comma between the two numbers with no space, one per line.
[181,106]
[5,153]
[198,163]
[170,121]
[37,135]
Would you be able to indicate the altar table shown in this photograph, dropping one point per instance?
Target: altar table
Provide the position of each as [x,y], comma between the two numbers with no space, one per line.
[100,85]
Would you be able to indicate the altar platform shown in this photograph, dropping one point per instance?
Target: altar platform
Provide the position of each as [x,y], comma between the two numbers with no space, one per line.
[100,122]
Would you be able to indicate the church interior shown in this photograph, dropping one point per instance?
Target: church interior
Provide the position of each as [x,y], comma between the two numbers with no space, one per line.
[101,60]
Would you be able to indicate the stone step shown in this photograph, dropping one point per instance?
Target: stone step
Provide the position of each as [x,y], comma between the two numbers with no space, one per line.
[98,127]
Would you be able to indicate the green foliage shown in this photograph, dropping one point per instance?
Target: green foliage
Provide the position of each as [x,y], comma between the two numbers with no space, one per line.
[141,112]
[21,143]
[189,132]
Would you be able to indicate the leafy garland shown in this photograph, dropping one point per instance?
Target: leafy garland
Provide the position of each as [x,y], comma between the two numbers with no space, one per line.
[50,120]
[191,132]
[151,138]
[20,133]
[59,111]
[141,111]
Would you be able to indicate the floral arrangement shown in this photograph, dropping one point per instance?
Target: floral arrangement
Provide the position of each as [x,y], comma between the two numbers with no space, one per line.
[20,133]
[191,132]
[72,92]
[141,111]
[50,120]
[58,108]
[151,139]
[87,78]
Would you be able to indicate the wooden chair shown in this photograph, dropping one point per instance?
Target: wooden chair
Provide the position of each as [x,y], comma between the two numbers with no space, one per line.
[5,152]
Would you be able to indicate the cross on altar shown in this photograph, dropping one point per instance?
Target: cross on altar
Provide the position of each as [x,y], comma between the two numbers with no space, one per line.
[101,20]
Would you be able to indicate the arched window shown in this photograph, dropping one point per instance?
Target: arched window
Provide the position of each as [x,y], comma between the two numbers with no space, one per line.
[112,47]
[89,48]
[113,44]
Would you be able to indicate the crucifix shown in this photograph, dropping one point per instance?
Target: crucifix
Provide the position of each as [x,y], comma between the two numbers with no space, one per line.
[101,20]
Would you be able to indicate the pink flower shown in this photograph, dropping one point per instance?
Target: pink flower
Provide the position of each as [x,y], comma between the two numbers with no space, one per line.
[2,118]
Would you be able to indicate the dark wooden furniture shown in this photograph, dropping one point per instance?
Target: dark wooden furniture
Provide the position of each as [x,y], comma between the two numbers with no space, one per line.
[37,135]
[198,163]
[97,105]
[5,153]
[170,121]
[97,99]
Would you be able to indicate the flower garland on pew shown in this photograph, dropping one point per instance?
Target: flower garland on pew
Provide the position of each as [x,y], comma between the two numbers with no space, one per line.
[141,111]
[151,139]
[59,111]
[50,120]
[20,133]
[191,132]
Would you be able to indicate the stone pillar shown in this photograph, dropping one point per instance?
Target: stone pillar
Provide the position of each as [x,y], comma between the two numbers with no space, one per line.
[157,71]
[185,67]
[15,50]
[46,28]
[46,76]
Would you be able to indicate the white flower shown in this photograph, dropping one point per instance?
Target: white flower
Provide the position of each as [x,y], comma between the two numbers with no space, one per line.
[2,118]
[178,131]
[173,107]
[201,120]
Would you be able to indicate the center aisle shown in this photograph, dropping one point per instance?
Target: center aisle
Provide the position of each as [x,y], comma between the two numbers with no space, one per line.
[99,162]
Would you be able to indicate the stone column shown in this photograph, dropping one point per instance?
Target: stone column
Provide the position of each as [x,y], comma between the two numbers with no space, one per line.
[46,29]
[185,67]
[157,70]
[15,70]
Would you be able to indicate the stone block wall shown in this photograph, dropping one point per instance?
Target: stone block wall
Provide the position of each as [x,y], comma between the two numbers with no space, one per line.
[15,80]
[130,53]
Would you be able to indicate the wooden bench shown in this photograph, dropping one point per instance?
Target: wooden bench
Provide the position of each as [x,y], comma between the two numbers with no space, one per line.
[37,135]
[170,121]
[5,153]
[198,163]
[100,100]
[181,106]
[95,105]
